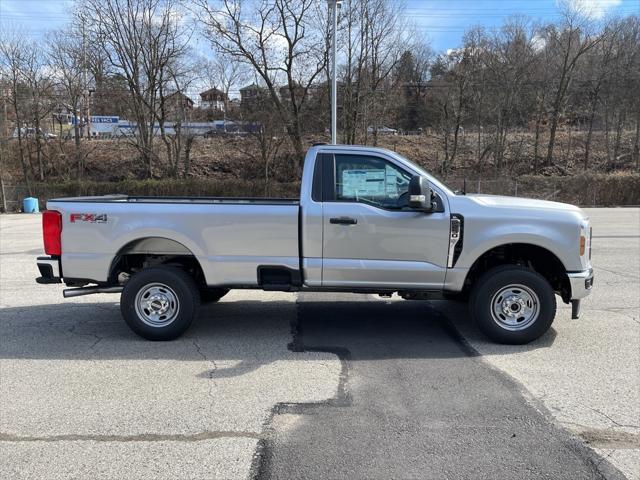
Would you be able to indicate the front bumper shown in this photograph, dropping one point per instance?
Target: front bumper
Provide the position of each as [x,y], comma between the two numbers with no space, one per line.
[581,283]
[49,268]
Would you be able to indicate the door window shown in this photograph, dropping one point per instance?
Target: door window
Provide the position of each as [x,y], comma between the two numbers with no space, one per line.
[372,180]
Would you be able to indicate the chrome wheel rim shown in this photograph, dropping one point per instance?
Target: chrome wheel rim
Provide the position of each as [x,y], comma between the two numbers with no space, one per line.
[515,307]
[157,305]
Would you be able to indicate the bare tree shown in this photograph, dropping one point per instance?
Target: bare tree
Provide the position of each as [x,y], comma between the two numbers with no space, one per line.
[374,37]
[451,99]
[174,108]
[225,73]
[66,58]
[509,62]
[14,56]
[572,39]
[38,99]
[140,39]
[282,40]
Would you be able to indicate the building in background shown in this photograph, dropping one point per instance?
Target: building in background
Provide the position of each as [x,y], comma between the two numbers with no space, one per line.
[214,99]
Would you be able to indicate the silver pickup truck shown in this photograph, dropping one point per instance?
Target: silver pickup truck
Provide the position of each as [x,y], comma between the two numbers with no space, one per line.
[367,221]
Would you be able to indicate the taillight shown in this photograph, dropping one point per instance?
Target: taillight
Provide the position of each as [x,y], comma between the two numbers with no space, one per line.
[51,232]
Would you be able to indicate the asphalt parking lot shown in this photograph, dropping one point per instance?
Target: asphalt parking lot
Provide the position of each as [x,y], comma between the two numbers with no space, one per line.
[364,387]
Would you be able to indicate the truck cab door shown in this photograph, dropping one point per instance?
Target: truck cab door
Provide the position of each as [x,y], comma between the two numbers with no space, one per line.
[370,237]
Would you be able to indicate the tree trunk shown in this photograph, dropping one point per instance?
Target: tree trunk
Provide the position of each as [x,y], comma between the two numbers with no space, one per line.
[552,135]
[536,144]
[23,164]
[619,128]
[636,145]
[296,141]
[454,148]
[606,132]
[78,153]
[557,103]
[587,143]
[39,149]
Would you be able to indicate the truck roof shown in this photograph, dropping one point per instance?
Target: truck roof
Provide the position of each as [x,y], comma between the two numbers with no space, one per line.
[326,146]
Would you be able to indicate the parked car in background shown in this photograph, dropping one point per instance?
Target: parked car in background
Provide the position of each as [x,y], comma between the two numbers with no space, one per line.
[30,132]
[382,130]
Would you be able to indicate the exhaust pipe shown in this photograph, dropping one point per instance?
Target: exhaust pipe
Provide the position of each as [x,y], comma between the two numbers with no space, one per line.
[78,292]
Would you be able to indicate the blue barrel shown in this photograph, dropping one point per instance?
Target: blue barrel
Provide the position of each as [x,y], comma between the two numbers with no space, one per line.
[30,205]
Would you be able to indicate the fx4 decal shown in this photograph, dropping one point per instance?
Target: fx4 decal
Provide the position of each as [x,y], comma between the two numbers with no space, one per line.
[88,217]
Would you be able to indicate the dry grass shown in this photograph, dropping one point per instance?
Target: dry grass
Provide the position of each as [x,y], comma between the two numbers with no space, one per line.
[232,167]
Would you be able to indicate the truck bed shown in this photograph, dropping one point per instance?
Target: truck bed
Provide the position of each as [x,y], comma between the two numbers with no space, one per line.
[230,237]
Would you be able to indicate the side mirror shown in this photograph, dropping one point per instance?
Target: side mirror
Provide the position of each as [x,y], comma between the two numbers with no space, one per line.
[420,194]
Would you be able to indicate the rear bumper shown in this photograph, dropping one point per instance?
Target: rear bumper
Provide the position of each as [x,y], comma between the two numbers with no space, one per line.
[581,283]
[49,268]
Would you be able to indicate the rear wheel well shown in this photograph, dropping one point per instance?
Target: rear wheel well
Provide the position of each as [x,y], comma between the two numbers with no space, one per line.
[131,260]
[536,258]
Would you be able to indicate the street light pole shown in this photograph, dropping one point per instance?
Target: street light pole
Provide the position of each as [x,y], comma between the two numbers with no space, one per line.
[334,81]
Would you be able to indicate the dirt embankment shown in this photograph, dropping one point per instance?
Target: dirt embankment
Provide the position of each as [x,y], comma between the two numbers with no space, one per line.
[235,166]
[240,158]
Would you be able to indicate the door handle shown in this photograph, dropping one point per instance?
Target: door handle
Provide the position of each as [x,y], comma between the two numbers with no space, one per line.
[343,221]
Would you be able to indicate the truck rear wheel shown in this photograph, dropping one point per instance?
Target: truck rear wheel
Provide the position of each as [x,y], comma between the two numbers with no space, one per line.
[159,303]
[513,304]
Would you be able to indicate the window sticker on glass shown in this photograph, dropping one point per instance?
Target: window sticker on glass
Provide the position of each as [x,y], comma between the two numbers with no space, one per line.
[363,183]
[394,182]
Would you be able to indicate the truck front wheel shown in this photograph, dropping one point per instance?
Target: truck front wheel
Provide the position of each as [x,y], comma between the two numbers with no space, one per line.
[159,303]
[513,304]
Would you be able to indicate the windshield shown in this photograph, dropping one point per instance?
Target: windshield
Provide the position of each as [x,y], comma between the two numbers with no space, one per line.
[421,171]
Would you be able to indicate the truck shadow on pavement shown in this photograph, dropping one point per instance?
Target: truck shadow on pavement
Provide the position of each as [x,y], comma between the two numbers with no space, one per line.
[247,333]
[412,403]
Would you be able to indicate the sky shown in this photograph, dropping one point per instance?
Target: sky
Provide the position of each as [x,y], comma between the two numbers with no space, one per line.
[443,22]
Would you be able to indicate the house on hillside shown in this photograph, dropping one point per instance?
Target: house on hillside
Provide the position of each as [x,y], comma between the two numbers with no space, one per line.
[178,106]
[179,101]
[214,99]
[251,95]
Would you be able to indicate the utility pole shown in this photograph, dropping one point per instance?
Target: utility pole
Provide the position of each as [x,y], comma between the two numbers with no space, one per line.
[334,74]
[4,139]
[85,87]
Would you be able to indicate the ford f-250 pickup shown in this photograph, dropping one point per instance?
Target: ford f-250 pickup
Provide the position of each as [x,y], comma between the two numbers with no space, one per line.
[368,221]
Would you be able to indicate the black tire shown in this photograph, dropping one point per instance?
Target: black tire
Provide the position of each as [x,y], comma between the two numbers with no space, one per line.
[181,297]
[505,280]
[212,295]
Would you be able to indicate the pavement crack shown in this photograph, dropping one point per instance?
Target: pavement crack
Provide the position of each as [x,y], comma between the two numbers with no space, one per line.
[145,437]
[72,331]
[620,311]
[210,373]
[627,275]
[617,424]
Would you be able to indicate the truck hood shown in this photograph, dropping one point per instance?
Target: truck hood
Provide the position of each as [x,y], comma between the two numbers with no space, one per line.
[519,202]
[518,205]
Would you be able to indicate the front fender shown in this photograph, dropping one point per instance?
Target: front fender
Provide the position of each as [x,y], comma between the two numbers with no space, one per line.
[558,237]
